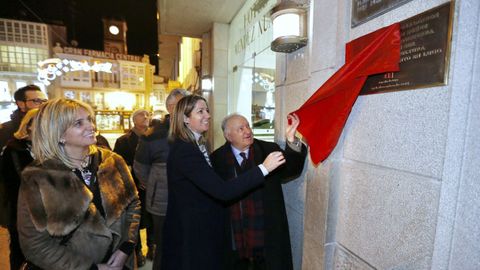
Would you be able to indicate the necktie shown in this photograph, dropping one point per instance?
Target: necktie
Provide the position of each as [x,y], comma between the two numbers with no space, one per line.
[204,151]
[243,165]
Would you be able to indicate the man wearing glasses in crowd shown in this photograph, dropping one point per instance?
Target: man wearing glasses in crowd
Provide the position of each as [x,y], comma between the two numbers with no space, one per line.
[27,98]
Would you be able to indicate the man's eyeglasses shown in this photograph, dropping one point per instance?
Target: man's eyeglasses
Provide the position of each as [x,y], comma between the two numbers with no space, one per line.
[37,101]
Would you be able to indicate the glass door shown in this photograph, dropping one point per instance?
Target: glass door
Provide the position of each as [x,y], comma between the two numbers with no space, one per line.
[263,95]
[253,93]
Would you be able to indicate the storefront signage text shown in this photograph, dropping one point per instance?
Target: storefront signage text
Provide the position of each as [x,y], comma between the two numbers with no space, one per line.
[102,54]
[252,28]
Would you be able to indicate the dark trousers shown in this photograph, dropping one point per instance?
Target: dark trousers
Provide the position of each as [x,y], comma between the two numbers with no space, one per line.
[16,255]
[234,262]
[158,232]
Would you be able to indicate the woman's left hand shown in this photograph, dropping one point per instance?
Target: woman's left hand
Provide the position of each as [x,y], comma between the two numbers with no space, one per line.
[117,259]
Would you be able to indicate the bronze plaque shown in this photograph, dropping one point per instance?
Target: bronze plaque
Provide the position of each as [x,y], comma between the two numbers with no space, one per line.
[365,10]
[424,54]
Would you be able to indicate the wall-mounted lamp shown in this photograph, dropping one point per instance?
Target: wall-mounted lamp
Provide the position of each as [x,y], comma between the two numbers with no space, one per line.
[207,83]
[289,27]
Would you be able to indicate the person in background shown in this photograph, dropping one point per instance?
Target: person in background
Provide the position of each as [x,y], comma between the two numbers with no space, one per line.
[102,141]
[126,146]
[149,166]
[26,98]
[78,206]
[258,228]
[15,156]
[195,219]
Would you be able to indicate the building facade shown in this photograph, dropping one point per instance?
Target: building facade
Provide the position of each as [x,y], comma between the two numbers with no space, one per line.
[399,191]
[114,84]
[22,45]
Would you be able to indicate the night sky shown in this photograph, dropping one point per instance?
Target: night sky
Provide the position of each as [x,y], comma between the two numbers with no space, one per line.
[83,19]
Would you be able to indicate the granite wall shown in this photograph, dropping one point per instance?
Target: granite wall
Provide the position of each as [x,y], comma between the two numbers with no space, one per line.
[400,189]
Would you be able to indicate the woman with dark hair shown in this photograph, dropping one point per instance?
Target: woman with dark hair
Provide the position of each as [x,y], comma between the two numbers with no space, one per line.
[78,207]
[15,156]
[194,226]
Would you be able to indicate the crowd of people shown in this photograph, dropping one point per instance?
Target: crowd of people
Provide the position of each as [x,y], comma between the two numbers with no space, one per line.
[69,202]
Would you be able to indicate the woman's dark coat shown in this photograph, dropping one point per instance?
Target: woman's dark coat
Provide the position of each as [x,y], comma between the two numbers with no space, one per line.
[15,156]
[195,220]
[54,204]
[277,240]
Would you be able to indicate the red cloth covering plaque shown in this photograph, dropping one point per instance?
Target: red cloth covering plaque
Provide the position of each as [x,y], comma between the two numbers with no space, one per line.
[323,115]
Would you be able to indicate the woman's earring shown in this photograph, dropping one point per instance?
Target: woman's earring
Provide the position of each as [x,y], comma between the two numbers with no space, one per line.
[62,141]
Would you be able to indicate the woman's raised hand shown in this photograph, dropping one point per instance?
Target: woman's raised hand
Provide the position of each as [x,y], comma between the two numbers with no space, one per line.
[273,160]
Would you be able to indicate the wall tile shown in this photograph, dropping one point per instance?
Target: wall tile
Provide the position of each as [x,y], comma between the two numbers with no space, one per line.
[220,36]
[387,217]
[297,67]
[402,130]
[220,63]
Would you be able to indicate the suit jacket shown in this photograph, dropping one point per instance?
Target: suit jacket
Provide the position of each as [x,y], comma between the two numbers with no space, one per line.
[195,220]
[126,145]
[54,203]
[277,240]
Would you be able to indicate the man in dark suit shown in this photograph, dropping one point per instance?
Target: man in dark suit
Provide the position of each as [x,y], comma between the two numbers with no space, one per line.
[257,230]
[26,98]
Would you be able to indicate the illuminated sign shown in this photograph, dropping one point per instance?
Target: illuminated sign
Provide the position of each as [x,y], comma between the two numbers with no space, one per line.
[102,54]
[50,69]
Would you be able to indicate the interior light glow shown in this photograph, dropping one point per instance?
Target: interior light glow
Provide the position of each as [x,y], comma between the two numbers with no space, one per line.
[120,100]
[207,84]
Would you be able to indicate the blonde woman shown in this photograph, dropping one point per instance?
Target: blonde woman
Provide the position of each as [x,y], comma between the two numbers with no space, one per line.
[78,207]
[15,156]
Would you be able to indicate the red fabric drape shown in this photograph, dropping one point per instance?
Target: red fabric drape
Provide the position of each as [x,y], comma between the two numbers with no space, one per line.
[324,114]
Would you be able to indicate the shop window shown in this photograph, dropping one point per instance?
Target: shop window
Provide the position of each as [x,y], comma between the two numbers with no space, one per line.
[132,76]
[254,93]
[20,84]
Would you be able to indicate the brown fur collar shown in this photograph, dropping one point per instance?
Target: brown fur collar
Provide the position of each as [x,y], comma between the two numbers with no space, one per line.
[58,200]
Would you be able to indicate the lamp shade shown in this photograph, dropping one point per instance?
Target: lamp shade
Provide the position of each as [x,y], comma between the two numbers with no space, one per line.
[289,27]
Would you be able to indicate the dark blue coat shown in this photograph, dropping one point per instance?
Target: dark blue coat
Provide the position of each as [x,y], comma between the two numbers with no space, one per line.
[195,221]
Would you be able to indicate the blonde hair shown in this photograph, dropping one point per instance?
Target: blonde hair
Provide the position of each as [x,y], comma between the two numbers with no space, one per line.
[27,121]
[178,128]
[51,122]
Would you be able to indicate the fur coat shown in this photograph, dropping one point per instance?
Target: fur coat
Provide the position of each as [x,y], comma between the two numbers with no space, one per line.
[54,204]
